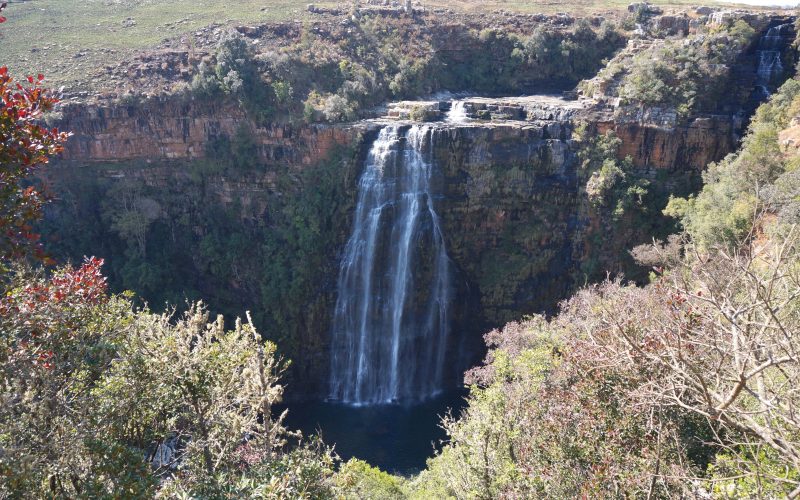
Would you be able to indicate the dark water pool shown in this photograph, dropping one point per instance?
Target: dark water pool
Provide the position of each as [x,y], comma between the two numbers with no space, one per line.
[397,438]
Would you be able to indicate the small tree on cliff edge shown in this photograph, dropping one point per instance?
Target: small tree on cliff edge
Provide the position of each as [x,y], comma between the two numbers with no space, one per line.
[25,145]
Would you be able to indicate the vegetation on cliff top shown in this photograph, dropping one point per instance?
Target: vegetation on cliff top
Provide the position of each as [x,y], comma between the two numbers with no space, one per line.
[331,76]
[689,75]
[74,39]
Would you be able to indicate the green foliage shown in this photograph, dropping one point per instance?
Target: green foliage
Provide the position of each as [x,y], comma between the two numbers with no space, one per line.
[421,114]
[358,480]
[752,477]
[283,93]
[205,83]
[237,73]
[619,200]
[102,399]
[197,245]
[377,61]
[542,424]
[733,193]
[338,108]
[412,78]
[689,75]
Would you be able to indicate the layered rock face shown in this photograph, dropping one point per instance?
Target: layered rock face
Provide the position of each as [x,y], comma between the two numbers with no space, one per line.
[506,188]
[177,129]
[506,184]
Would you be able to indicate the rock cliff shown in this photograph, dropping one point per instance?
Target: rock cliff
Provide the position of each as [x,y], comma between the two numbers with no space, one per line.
[190,198]
[511,204]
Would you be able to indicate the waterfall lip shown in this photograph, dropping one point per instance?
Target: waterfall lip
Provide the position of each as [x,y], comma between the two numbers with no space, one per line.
[445,110]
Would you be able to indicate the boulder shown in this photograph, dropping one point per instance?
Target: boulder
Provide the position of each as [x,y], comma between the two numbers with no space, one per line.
[644,7]
[673,25]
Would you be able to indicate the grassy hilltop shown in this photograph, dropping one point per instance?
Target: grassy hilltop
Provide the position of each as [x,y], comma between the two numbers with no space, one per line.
[69,40]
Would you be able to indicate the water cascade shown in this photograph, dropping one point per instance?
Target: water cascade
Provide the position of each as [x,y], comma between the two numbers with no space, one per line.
[770,63]
[457,113]
[391,319]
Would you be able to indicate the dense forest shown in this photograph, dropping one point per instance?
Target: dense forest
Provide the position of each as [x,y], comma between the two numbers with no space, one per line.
[680,380]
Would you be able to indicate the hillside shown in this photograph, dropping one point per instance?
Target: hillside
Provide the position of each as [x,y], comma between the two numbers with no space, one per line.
[73,41]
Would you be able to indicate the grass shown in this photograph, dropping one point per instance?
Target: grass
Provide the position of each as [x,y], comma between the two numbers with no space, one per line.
[70,40]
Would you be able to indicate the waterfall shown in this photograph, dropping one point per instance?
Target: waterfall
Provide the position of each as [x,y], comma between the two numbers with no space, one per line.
[770,64]
[457,113]
[391,319]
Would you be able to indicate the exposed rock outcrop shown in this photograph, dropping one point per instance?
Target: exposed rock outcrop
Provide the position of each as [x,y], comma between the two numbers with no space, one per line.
[174,129]
[509,192]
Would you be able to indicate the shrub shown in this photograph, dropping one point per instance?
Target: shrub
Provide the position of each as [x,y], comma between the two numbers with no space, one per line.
[611,184]
[733,193]
[356,479]
[97,397]
[338,108]
[25,147]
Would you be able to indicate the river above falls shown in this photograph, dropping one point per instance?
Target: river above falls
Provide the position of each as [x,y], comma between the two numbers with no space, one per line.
[397,438]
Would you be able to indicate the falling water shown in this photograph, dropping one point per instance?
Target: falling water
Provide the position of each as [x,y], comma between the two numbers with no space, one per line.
[391,318]
[457,113]
[770,64]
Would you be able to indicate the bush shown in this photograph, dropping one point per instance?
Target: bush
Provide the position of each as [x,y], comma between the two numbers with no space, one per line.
[734,191]
[97,397]
[687,74]
[612,187]
[356,479]
[546,421]
[338,108]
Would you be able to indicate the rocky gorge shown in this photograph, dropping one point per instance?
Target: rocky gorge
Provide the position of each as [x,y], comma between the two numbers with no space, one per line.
[508,183]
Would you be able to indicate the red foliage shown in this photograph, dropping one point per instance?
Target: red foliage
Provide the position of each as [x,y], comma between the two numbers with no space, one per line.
[44,315]
[86,284]
[25,145]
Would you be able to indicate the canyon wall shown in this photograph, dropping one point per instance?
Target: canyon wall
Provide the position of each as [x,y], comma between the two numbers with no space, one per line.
[511,203]
[189,198]
[181,129]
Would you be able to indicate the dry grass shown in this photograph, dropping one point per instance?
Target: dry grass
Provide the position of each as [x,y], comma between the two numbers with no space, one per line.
[69,40]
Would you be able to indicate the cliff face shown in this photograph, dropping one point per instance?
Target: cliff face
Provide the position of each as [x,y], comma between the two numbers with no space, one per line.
[512,206]
[685,147]
[189,199]
[176,129]
[516,217]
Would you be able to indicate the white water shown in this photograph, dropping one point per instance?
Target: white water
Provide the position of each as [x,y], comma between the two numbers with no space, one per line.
[391,318]
[457,113]
[770,64]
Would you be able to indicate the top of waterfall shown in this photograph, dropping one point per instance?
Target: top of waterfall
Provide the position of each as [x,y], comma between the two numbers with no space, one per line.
[545,107]
[457,113]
